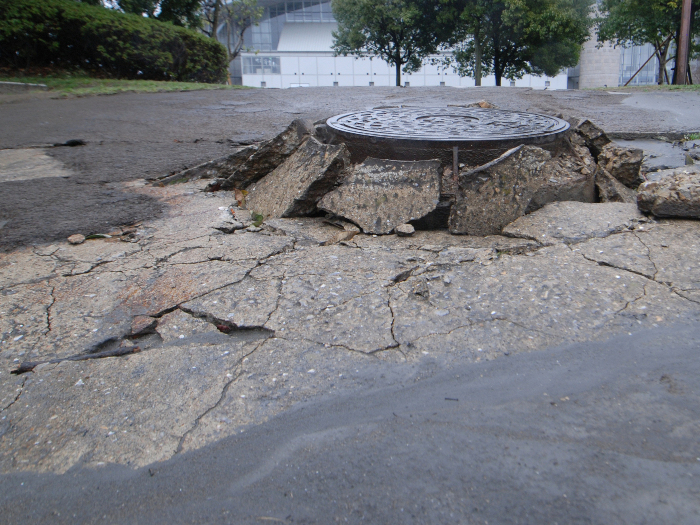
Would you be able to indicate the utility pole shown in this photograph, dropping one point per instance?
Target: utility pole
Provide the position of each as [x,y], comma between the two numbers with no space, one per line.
[683,45]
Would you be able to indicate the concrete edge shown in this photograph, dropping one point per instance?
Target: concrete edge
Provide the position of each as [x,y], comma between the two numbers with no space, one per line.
[671,136]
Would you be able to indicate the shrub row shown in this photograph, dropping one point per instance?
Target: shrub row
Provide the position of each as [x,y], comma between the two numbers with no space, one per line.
[68,34]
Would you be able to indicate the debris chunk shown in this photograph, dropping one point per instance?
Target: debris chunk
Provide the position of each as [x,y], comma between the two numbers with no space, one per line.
[405,230]
[380,194]
[294,188]
[625,164]
[76,239]
[673,193]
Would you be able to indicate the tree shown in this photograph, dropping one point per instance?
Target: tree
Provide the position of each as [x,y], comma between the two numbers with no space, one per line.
[184,13]
[401,32]
[511,38]
[234,17]
[639,22]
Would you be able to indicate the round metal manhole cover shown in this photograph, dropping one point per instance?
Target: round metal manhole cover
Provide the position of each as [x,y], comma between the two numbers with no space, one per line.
[449,125]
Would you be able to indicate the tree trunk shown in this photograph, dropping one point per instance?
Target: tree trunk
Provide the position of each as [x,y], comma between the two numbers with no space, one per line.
[398,74]
[675,66]
[215,19]
[477,56]
[497,66]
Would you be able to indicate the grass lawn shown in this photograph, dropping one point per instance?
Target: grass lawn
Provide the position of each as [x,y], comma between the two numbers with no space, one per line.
[65,84]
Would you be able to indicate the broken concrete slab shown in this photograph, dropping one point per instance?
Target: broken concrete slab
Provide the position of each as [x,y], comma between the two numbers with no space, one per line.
[269,155]
[573,222]
[565,179]
[612,190]
[294,187]
[222,167]
[304,230]
[382,194]
[625,164]
[593,136]
[674,193]
[520,181]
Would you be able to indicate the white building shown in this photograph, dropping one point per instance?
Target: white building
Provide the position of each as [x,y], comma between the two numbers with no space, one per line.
[291,47]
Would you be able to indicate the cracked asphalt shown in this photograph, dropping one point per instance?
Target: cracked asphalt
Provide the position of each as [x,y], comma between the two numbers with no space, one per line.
[544,376]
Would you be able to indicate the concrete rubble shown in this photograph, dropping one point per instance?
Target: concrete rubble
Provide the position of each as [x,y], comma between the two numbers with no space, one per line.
[519,182]
[211,332]
[612,190]
[268,155]
[380,195]
[673,193]
[624,164]
[295,186]
[210,318]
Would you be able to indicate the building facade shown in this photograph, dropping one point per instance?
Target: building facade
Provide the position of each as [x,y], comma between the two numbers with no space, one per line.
[292,47]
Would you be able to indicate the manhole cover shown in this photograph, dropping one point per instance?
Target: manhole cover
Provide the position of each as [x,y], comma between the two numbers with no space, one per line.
[420,133]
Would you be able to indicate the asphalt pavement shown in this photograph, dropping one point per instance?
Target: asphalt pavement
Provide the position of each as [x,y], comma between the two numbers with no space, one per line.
[602,432]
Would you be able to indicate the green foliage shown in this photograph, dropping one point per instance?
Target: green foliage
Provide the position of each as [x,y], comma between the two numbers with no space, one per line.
[236,16]
[257,218]
[178,12]
[65,84]
[402,32]
[71,35]
[517,37]
[638,22]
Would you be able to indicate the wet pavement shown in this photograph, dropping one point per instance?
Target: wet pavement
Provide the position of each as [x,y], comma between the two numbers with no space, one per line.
[272,375]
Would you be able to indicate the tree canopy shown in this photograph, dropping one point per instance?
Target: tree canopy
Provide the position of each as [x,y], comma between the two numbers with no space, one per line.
[638,22]
[234,16]
[184,13]
[511,38]
[402,32]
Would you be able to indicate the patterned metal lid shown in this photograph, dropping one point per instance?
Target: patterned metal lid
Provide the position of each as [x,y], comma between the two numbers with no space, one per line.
[450,124]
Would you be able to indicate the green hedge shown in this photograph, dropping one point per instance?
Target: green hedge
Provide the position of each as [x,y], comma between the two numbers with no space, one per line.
[69,35]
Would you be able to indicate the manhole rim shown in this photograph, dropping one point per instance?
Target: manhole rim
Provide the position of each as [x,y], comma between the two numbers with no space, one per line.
[374,137]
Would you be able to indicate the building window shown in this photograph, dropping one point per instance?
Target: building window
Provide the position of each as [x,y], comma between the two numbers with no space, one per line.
[632,58]
[261,65]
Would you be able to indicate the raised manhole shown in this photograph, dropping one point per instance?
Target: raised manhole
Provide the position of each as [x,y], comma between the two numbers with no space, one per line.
[479,134]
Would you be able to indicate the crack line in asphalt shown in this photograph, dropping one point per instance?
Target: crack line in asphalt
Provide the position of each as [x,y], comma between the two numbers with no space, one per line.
[224,391]
[610,265]
[21,390]
[656,269]
[48,310]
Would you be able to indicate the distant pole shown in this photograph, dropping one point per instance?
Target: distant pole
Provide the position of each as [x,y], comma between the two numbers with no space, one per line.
[682,66]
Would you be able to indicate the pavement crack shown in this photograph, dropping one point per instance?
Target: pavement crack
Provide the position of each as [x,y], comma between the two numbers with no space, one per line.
[48,310]
[238,373]
[224,325]
[610,265]
[656,269]
[28,366]
[629,303]
[677,292]
[393,323]
[19,394]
